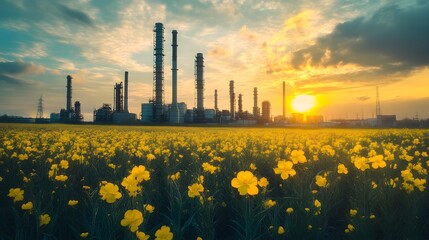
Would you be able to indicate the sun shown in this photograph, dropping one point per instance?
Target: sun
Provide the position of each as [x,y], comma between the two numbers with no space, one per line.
[303,103]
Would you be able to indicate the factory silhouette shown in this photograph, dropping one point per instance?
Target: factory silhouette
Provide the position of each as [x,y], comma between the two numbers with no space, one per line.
[157,112]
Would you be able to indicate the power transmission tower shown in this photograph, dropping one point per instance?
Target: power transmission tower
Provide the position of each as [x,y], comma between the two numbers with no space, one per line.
[377,105]
[40,108]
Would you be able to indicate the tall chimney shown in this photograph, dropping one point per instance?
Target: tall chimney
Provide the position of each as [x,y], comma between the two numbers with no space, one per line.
[69,93]
[240,106]
[284,100]
[199,79]
[255,103]
[232,99]
[158,71]
[215,103]
[126,92]
[174,113]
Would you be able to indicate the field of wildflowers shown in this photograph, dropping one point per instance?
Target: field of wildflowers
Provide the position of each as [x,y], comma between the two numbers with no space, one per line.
[103,182]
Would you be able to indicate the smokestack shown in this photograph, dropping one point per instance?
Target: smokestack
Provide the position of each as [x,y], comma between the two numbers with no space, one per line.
[284,100]
[126,92]
[69,93]
[255,103]
[158,71]
[199,79]
[232,99]
[174,113]
[215,103]
[240,106]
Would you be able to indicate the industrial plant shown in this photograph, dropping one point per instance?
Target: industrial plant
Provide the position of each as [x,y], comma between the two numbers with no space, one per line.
[69,114]
[157,112]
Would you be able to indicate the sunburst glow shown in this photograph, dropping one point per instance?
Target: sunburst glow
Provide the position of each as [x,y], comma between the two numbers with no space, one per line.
[303,103]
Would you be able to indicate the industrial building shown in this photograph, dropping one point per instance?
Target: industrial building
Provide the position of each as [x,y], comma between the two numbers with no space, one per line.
[69,114]
[119,114]
[266,112]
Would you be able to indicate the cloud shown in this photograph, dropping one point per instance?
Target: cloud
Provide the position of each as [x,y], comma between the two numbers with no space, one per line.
[75,15]
[219,50]
[392,42]
[10,70]
[14,68]
[11,80]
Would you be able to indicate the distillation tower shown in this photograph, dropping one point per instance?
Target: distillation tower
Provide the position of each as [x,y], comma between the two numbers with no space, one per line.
[199,85]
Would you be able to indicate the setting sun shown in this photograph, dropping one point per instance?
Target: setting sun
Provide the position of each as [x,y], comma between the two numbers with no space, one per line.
[303,103]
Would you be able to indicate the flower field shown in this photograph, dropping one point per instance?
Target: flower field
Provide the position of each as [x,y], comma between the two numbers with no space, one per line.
[104,182]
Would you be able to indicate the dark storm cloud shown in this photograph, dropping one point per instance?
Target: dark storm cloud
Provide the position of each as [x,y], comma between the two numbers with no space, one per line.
[393,41]
[75,15]
[11,80]
[19,67]
[9,70]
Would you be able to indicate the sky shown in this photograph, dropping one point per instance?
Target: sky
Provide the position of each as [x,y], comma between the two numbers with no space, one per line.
[335,50]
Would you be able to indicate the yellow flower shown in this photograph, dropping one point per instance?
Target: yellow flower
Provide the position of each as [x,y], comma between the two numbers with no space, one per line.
[269,203]
[149,208]
[361,163]
[372,216]
[140,173]
[377,161]
[17,194]
[64,164]
[321,181]
[163,233]
[175,176]
[285,168]
[353,212]
[207,167]
[263,182]
[246,183]
[110,192]
[133,219]
[195,189]
[23,157]
[61,178]
[289,210]
[350,228]
[420,184]
[374,185]
[307,209]
[111,165]
[73,202]
[27,206]
[84,235]
[309,227]
[317,203]
[407,175]
[44,219]
[150,157]
[142,236]
[297,156]
[252,166]
[281,230]
[342,169]
[130,183]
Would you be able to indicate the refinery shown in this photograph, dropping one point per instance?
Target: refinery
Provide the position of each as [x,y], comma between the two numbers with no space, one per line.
[157,112]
